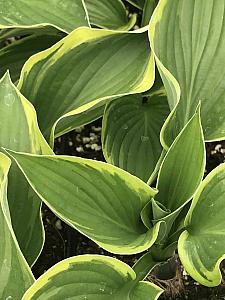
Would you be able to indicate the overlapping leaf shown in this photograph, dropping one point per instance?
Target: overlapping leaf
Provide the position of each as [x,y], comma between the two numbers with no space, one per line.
[19,131]
[180,174]
[92,277]
[131,128]
[202,245]
[64,15]
[110,14]
[61,81]
[188,38]
[183,166]
[15,55]
[15,274]
[148,9]
[138,3]
[98,199]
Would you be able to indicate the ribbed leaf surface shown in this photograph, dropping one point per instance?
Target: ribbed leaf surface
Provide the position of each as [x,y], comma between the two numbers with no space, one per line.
[148,9]
[83,69]
[100,200]
[19,131]
[188,38]
[15,55]
[15,274]
[183,166]
[65,15]
[202,246]
[91,277]
[130,135]
[109,14]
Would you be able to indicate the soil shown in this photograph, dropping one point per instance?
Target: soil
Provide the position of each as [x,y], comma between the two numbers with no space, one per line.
[62,241]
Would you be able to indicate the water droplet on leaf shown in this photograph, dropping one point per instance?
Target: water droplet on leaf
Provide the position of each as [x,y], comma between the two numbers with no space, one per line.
[144,138]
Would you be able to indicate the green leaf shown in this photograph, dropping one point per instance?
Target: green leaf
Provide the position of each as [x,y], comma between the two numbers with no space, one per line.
[183,166]
[20,132]
[61,81]
[137,3]
[149,7]
[109,14]
[145,265]
[69,123]
[188,39]
[202,245]
[91,277]
[64,15]
[130,133]
[15,274]
[13,56]
[23,32]
[100,200]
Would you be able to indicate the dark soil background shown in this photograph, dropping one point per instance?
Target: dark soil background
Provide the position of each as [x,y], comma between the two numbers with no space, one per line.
[62,241]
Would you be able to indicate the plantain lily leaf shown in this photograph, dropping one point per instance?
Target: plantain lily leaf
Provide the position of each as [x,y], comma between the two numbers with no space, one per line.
[19,131]
[183,166]
[100,200]
[109,14]
[130,134]
[188,39]
[64,15]
[148,10]
[14,56]
[202,245]
[15,274]
[86,117]
[137,3]
[61,81]
[24,32]
[91,277]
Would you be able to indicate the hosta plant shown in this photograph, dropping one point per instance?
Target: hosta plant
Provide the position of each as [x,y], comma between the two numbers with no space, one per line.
[84,73]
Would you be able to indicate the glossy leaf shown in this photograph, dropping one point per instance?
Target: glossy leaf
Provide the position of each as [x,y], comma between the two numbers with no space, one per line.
[98,199]
[61,81]
[138,3]
[19,131]
[91,277]
[109,14]
[13,56]
[183,166]
[202,245]
[64,15]
[188,39]
[130,134]
[15,274]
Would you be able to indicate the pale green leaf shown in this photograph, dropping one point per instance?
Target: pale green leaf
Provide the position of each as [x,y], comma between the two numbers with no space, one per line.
[130,134]
[202,245]
[65,15]
[61,81]
[91,277]
[188,39]
[100,200]
[109,14]
[15,274]
[20,132]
